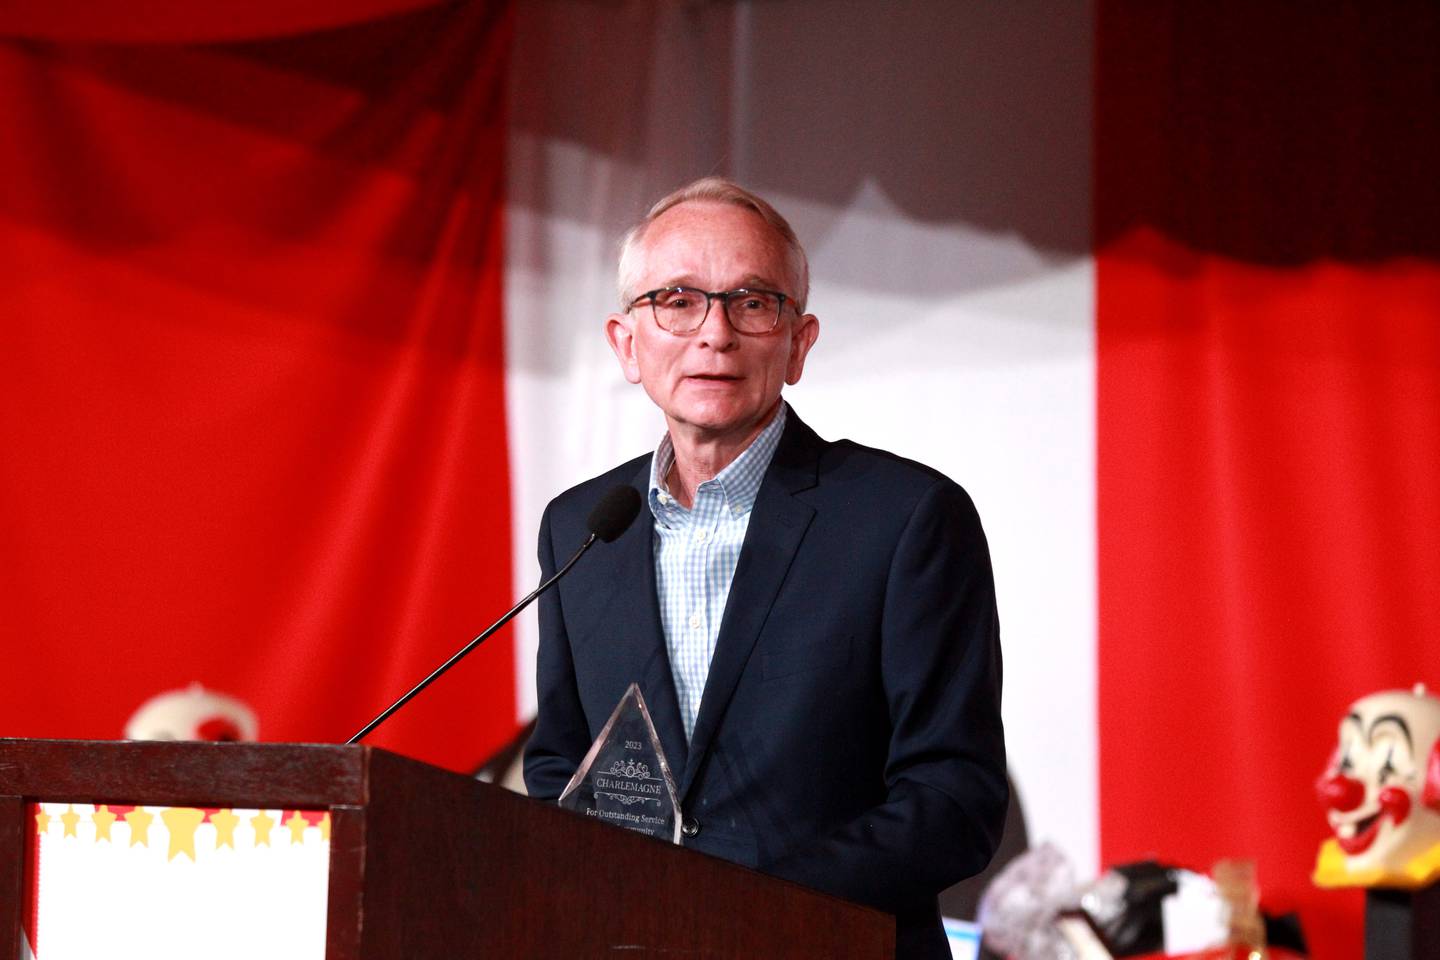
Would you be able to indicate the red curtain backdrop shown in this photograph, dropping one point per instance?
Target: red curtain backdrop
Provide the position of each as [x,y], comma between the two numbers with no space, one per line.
[1268,270]
[251,369]
[183,21]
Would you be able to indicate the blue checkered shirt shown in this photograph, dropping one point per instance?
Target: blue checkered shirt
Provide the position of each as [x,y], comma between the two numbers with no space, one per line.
[696,551]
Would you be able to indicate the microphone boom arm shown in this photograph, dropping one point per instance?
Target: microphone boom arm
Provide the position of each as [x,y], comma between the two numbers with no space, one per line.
[465,650]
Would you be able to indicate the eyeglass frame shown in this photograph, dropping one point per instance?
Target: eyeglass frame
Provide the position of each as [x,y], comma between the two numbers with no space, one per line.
[710,297]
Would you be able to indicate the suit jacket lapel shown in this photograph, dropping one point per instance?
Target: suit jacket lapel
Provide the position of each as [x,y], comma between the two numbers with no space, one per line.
[778,523]
[634,572]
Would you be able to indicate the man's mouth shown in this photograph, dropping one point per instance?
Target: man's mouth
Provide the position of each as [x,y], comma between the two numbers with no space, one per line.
[714,377]
[1356,836]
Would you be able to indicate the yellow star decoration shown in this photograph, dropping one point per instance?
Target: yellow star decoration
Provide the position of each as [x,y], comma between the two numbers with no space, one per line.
[103,820]
[182,823]
[139,822]
[297,826]
[225,822]
[325,827]
[42,822]
[71,819]
[262,824]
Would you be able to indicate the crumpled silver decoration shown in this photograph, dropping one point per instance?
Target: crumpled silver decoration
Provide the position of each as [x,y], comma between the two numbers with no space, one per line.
[1017,911]
[1104,898]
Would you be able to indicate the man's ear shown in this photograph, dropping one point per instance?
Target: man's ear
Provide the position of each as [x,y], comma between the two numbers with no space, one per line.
[802,338]
[620,334]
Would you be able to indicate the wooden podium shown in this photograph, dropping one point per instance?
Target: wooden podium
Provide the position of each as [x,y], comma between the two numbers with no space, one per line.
[508,877]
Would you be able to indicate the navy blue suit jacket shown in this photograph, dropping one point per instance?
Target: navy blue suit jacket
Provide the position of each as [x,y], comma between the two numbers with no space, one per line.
[849,735]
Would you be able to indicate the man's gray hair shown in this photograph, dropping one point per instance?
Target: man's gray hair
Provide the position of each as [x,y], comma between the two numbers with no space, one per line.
[714,190]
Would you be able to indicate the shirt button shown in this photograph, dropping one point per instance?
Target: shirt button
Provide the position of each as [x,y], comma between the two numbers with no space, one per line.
[695,621]
[701,536]
[690,827]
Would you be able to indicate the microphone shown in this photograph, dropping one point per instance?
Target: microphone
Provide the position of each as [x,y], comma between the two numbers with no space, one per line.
[611,517]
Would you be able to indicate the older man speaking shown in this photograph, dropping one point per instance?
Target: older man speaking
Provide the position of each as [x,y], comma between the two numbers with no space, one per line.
[812,623]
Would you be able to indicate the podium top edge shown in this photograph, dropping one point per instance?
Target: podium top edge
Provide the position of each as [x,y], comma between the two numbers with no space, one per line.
[188,744]
[186,773]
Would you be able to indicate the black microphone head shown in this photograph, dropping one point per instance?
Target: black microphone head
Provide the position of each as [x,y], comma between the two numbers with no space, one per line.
[614,513]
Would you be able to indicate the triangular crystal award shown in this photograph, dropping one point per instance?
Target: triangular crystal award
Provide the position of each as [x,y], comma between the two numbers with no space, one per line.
[624,780]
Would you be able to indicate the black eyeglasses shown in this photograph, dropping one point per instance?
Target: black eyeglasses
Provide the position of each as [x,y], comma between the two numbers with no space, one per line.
[683,310]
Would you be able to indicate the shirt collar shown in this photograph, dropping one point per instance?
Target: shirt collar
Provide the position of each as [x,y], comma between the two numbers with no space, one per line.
[739,482]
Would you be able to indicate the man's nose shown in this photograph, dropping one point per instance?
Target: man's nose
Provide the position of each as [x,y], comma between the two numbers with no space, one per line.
[715,328]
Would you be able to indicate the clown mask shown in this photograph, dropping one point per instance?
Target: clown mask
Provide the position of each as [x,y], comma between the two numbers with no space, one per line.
[192,713]
[1381,793]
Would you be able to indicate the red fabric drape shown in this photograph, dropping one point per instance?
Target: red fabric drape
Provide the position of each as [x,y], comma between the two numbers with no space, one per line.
[1268,283]
[182,21]
[251,379]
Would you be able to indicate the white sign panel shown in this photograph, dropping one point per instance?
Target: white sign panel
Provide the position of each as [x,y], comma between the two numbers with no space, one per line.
[155,883]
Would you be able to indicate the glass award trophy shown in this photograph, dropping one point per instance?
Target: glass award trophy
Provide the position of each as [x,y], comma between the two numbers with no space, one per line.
[624,779]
